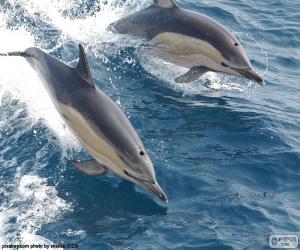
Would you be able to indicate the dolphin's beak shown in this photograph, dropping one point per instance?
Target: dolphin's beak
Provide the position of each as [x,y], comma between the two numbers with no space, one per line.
[156,190]
[251,75]
[152,186]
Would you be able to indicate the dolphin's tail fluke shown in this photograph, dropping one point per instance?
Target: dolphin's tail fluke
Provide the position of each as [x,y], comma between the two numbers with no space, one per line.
[15,53]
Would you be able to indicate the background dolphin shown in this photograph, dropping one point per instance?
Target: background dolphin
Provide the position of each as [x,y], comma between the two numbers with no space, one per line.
[95,119]
[188,39]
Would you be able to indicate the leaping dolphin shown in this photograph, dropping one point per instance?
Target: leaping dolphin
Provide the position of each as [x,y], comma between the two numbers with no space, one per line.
[191,40]
[97,122]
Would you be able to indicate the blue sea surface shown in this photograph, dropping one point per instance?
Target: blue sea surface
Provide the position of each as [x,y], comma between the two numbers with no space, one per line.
[225,150]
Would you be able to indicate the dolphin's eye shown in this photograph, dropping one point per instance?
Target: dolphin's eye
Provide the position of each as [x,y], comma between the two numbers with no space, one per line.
[142,153]
[236,44]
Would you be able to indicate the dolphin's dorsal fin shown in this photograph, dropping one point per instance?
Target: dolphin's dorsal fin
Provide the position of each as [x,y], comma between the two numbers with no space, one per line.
[83,68]
[164,3]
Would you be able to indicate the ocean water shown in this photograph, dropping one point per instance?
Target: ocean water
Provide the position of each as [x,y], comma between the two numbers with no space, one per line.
[225,150]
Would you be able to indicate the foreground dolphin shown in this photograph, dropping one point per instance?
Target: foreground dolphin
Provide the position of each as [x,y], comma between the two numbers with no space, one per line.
[188,39]
[95,119]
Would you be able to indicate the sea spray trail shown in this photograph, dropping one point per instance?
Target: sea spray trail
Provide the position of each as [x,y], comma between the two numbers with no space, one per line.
[226,150]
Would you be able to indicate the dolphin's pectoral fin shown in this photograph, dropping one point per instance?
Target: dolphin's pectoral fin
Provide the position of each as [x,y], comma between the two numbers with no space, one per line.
[90,167]
[83,68]
[192,75]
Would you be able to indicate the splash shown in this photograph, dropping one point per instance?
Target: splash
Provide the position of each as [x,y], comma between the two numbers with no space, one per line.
[22,83]
[76,20]
[20,223]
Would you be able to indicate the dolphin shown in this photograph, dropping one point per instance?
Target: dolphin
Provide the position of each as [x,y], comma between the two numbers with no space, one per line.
[188,39]
[97,122]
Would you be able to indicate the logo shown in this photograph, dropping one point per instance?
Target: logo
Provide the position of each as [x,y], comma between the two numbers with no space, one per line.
[283,241]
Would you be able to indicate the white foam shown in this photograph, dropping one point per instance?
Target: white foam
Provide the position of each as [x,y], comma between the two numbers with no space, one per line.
[87,28]
[33,204]
[35,191]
